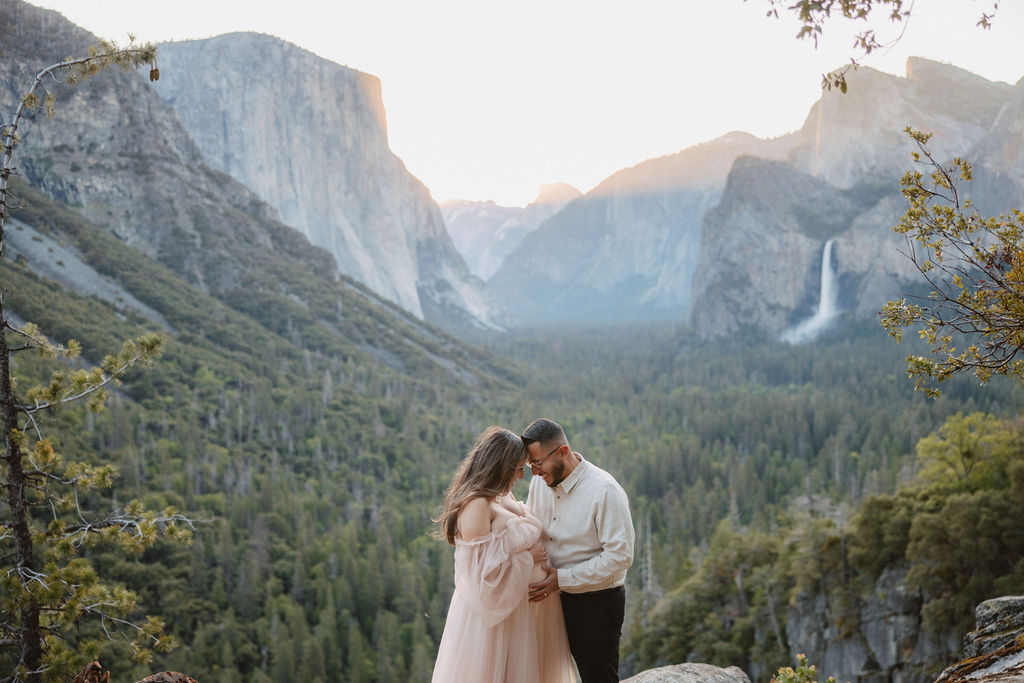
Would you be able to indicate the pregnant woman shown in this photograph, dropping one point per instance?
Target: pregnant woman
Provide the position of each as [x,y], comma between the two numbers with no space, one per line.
[492,632]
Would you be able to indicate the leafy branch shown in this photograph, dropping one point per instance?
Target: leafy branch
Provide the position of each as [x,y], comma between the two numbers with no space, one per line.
[67,388]
[974,267]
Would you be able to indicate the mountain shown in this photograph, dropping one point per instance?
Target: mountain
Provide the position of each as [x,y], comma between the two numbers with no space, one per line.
[485,233]
[762,246]
[118,157]
[309,137]
[731,235]
[626,250]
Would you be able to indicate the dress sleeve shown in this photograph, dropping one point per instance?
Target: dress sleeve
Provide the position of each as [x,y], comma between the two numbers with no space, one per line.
[491,576]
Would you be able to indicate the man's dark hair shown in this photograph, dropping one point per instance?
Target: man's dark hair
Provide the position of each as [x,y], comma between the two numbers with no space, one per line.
[543,431]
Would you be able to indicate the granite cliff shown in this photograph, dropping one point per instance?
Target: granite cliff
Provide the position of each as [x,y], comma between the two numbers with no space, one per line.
[310,138]
[888,645]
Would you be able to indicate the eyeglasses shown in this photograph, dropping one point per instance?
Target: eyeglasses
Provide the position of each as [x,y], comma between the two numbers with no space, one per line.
[535,463]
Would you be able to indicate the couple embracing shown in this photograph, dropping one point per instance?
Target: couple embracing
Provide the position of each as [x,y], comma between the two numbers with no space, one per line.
[534,582]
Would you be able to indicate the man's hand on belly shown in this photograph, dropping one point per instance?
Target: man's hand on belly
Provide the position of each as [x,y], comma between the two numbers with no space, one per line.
[542,589]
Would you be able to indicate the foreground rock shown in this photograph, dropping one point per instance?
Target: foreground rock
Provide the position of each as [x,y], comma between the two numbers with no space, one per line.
[94,673]
[690,673]
[994,651]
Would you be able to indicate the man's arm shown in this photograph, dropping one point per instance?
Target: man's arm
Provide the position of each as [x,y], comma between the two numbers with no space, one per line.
[615,533]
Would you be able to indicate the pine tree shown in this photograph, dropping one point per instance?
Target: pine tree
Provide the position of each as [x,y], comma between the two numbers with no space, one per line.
[46,588]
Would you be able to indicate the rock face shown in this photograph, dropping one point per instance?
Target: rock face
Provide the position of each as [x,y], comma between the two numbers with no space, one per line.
[628,249]
[309,137]
[117,152]
[994,651]
[769,227]
[690,673]
[485,233]
[881,641]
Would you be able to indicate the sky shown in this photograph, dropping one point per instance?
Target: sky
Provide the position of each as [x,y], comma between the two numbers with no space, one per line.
[490,100]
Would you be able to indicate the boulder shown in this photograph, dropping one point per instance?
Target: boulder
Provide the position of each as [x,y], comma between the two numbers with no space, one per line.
[690,673]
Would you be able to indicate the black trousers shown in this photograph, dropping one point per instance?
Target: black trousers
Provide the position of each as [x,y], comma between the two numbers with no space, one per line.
[593,622]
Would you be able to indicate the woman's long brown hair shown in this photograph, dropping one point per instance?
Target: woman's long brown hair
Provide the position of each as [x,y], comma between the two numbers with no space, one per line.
[485,472]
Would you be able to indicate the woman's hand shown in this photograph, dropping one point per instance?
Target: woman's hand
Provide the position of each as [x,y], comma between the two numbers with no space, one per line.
[509,502]
[539,552]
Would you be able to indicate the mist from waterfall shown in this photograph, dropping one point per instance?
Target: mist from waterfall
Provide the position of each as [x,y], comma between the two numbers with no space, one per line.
[828,305]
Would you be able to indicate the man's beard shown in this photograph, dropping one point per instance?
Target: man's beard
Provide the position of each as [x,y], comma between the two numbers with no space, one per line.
[557,474]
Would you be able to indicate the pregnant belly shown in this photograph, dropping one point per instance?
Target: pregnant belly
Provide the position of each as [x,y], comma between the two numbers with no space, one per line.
[538,574]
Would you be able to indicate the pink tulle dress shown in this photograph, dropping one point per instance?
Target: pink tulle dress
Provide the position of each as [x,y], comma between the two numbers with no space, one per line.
[493,633]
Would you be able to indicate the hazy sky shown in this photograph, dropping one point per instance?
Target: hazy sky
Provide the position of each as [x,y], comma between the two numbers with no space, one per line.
[488,99]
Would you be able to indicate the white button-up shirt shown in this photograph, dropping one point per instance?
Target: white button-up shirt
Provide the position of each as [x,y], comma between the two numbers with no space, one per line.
[588,531]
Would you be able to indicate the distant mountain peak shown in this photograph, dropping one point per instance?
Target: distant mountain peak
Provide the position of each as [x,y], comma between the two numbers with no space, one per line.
[557,193]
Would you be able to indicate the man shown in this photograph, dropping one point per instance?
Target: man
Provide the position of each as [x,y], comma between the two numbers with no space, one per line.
[589,539]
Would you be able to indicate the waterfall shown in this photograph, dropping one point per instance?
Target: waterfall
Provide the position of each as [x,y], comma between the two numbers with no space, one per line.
[807,330]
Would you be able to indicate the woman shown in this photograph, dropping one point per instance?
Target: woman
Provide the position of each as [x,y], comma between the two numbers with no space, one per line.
[492,634]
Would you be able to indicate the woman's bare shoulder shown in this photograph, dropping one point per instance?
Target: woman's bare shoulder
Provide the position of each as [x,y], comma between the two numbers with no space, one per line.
[475,519]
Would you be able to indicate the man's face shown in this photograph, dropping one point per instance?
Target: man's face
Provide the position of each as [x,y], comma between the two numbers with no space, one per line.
[547,464]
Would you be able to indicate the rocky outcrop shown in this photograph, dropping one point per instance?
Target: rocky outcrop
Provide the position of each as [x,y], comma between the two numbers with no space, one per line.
[310,138]
[886,646]
[628,249]
[994,651]
[94,673]
[690,673]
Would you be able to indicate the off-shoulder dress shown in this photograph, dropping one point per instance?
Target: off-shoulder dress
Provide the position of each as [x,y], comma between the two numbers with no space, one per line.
[493,633]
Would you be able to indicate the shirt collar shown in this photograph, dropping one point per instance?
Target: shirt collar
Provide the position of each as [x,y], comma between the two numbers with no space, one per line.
[569,482]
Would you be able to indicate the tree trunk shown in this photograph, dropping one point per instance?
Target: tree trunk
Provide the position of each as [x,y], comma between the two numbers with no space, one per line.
[24,560]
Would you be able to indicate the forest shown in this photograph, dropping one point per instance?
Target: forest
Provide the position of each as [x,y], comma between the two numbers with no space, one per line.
[759,474]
